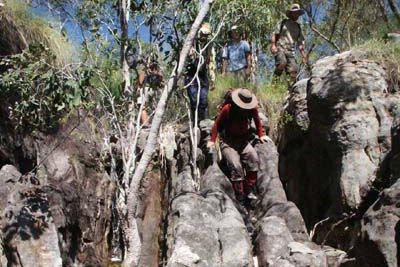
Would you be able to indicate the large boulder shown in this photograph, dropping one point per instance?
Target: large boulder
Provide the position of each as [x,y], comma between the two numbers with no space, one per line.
[281,238]
[340,145]
[59,213]
[28,233]
[380,231]
[205,228]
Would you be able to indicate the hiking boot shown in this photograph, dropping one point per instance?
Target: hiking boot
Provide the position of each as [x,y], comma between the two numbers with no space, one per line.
[252,196]
[250,193]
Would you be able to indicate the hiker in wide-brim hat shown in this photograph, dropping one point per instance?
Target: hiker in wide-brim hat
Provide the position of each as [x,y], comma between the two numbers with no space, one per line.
[285,38]
[233,126]
[244,99]
[294,10]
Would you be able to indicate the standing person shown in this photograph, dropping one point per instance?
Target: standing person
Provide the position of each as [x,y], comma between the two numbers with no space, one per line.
[236,55]
[233,123]
[285,37]
[149,79]
[202,64]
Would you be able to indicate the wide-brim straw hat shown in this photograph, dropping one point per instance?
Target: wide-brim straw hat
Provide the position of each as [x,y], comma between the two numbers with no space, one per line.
[243,98]
[295,8]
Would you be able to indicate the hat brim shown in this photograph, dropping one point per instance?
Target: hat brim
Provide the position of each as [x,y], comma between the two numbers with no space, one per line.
[236,99]
[295,11]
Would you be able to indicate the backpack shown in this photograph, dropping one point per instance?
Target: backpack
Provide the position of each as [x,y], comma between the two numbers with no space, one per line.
[227,99]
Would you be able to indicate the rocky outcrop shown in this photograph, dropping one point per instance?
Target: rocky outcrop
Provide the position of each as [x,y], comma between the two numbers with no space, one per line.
[282,238]
[205,228]
[28,232]
[380,231]
[60,212]
[339,147]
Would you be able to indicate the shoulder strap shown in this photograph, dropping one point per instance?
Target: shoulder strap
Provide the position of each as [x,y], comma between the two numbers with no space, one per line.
[282,24]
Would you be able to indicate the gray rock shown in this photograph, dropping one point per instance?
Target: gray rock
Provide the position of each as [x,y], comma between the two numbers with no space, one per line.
[379,241]
[272,240]
[28,233]
[340,140]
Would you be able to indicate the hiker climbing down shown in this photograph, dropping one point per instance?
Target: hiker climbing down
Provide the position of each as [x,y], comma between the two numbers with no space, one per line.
[285,37]
[233,123]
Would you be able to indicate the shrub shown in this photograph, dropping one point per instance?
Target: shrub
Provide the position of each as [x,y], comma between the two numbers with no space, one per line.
[35,94]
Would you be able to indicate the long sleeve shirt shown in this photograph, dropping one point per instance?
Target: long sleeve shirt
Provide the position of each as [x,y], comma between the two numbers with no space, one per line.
[236,125]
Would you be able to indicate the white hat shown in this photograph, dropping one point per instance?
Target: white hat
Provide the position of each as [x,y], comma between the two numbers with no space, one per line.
[295,8]
[243,98]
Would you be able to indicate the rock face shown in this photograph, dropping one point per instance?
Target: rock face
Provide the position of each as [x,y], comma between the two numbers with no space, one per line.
[340,145]
[205,228]
[380,231]
[60,213]
[282,238]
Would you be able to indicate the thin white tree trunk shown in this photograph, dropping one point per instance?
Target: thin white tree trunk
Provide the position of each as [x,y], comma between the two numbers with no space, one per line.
[132,232]
[124,21]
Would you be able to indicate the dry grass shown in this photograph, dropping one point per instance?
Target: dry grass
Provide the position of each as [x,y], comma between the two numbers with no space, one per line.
[19,28]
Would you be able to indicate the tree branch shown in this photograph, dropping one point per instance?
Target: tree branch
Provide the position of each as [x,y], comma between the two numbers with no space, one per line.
[134,246]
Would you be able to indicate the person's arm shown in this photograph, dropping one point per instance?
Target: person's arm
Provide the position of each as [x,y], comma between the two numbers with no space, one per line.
[222,115]
[225,57]
[302,46]
[274,48]
[303,53]
[258,123]
[247,51]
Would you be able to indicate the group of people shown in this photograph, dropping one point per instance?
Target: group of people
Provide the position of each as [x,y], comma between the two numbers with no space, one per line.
[237,58]
[233,121]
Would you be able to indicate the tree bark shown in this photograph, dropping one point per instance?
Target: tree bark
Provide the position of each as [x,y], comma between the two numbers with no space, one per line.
[132,232]
[124,8]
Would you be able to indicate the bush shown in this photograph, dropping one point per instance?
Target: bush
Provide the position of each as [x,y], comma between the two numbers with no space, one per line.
[35,94]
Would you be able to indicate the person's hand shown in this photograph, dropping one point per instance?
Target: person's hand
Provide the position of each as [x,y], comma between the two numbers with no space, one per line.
[266,139]
[274,49]
[210,144]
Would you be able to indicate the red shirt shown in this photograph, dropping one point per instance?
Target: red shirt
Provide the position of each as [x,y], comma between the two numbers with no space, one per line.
[236,123]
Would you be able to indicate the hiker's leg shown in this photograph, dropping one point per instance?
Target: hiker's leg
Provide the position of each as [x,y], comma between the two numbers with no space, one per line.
[232,159]
[203,103]
[250,161]
[192,94]
[292,66]
[280,63]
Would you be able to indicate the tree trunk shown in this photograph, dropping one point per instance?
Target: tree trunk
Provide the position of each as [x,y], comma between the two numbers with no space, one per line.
[124,8]
[132,232]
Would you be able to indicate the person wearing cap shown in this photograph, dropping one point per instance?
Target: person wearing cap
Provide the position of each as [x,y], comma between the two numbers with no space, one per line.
[200,72]
[286,36]
[233,124]
[236,55]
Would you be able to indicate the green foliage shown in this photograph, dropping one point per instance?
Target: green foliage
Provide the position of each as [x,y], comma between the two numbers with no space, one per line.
[256,17]
[38,94]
